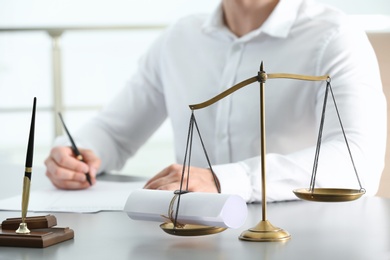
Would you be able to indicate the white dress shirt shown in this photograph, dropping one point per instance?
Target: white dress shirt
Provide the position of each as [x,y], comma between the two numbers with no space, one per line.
[198,57]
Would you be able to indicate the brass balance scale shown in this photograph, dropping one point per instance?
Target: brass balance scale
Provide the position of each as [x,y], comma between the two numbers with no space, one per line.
[264,231]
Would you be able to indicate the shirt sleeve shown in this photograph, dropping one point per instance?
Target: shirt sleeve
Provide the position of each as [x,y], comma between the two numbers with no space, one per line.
[127,121]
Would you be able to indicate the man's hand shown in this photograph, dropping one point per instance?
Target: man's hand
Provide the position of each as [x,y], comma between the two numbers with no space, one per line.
[201,180]
[66,172]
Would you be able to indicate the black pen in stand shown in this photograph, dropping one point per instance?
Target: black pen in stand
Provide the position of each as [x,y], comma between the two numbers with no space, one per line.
[27,174]
[74,148]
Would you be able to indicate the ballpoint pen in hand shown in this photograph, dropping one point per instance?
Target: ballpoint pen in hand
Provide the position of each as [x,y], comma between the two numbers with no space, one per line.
[75,149]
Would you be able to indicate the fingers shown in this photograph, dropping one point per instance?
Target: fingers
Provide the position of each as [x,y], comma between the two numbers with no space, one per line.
[167,179]
[63,157]
[69,184]
[92,160]
[169,172]
[66,172]
[171,178]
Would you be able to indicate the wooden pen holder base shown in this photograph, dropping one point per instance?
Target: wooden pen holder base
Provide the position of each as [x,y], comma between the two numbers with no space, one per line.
[43,233]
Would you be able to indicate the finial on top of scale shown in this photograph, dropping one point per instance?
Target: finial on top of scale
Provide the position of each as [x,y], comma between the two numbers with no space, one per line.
[261,76]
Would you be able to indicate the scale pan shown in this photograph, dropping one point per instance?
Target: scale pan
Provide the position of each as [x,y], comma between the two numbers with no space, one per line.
[190,230]
[329,194]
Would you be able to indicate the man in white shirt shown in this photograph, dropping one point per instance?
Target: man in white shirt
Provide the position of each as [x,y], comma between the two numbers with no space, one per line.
[201,56]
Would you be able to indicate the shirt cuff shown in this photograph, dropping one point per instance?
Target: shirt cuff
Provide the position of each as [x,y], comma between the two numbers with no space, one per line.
[233,179]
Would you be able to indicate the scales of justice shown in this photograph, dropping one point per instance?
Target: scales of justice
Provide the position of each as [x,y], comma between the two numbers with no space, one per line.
[264,231]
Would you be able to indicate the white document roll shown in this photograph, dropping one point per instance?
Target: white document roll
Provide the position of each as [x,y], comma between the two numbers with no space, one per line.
[208,209]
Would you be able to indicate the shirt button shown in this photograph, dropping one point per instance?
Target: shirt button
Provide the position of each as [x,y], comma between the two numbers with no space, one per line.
[237,47]
[222,136]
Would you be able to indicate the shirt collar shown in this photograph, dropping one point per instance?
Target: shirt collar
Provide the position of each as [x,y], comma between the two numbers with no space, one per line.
[278,24]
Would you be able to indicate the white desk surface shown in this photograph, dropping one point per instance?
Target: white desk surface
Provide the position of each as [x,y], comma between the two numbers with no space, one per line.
[347,230]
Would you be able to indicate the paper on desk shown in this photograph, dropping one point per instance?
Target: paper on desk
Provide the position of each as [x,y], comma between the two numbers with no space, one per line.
[209,209]
[103,196]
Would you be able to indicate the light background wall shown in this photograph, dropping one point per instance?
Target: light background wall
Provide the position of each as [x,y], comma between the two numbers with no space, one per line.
[96,64]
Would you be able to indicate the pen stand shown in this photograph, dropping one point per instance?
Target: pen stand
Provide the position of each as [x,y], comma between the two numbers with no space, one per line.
[43,232]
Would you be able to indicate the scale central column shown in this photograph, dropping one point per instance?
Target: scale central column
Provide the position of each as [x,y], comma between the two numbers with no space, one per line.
[264,231]
[262,77]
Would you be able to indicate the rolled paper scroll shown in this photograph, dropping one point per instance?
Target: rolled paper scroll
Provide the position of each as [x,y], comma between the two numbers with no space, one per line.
[207,209]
